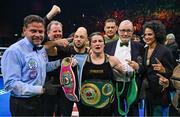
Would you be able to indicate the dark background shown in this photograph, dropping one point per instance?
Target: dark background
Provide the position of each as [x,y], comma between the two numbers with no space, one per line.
[88,13]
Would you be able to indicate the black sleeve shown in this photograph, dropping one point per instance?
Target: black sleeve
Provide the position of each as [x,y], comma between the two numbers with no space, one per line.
[47,21]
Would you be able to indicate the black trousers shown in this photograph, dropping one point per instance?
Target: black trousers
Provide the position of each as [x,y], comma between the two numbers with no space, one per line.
[58,104]
[32,106]
[90,111]
[173,111]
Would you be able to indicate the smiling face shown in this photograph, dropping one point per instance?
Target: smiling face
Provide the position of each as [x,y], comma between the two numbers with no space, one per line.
[125,31]
[149,36]
[55,32]
[34,32]
[97,44]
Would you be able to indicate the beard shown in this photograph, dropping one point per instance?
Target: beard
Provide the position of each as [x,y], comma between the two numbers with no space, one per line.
[79,46]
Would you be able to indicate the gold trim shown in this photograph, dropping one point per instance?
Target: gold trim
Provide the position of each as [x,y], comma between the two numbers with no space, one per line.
[107,89]
[90,94]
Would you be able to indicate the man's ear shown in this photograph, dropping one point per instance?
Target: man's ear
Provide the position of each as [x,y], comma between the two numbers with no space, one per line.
[117,28]
[104,28]
[24,29]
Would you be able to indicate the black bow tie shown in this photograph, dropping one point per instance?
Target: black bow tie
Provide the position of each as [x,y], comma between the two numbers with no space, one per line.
[39,47]
[124,44]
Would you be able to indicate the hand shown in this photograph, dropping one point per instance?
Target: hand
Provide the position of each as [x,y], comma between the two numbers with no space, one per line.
[62,42]
[50,88]
[159,67]
[128,70]
[74,62]
[70,39]
[53,12]
[163,81]
[133,64]
[71,60]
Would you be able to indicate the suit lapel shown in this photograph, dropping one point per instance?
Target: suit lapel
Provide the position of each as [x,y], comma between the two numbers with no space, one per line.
[114,47]
[133,51]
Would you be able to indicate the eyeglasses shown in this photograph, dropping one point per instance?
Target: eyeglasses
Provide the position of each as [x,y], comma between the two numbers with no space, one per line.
[123,30]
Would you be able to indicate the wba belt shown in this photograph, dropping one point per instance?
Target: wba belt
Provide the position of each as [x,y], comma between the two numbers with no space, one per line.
[67,79]
[97,94]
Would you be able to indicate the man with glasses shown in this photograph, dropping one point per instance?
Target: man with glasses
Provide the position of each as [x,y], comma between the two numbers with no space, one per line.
[130,53]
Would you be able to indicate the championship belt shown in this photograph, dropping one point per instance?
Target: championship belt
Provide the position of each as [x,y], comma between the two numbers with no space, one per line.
[97,94]
[131,95]
[67,79]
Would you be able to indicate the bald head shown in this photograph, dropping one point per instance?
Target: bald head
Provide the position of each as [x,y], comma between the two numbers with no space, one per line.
[126,23]
[82,30]
[80,38]
[125,31]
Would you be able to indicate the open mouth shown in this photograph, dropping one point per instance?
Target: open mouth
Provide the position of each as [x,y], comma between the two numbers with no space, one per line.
[78,43]
[57,36]
[98,47]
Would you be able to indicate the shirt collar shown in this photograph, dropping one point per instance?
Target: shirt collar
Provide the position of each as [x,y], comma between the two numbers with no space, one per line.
[28,43]
[120,41]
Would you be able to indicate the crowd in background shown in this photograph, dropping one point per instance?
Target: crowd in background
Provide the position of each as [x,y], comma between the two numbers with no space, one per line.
[141,56]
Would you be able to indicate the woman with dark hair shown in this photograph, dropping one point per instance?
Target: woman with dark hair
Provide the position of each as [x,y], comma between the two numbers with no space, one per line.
[157,60]
[97,89]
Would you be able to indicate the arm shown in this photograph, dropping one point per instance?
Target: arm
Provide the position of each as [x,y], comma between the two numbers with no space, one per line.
[133,64]
[50,46]
[50,66]
[165,65]
[53,12]
[118,66]
[59,42]
[164,82]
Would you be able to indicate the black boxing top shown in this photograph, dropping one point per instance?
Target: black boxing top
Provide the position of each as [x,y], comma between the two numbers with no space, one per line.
[97,71]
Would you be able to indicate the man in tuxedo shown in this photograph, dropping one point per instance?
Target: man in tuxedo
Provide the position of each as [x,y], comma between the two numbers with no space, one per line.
[130,53]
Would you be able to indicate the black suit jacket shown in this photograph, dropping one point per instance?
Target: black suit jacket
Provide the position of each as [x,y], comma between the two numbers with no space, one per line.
[137,52]
[154,93]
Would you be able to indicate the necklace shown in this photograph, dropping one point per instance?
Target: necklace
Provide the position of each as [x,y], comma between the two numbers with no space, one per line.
[150,51]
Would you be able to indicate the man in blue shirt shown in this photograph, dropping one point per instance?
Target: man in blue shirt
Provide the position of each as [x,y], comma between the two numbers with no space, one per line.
[24,67]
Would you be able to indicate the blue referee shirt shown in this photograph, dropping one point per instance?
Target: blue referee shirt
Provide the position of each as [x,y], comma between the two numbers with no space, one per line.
[24,70]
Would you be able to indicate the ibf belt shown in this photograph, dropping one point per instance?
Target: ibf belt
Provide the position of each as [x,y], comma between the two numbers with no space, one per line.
[97,94]
[67,79]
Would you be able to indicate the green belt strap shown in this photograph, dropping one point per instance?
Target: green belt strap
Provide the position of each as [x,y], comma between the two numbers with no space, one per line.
[131,95]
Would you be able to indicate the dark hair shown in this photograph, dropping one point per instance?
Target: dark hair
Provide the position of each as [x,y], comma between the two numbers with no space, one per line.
[33,18]
[93,34]
[158,28]
[110,20]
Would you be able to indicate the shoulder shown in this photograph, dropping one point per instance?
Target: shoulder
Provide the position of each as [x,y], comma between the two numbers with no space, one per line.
[112,42]
[11,53]
[163,48]
[112,59]
[14,47]
[137,44]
